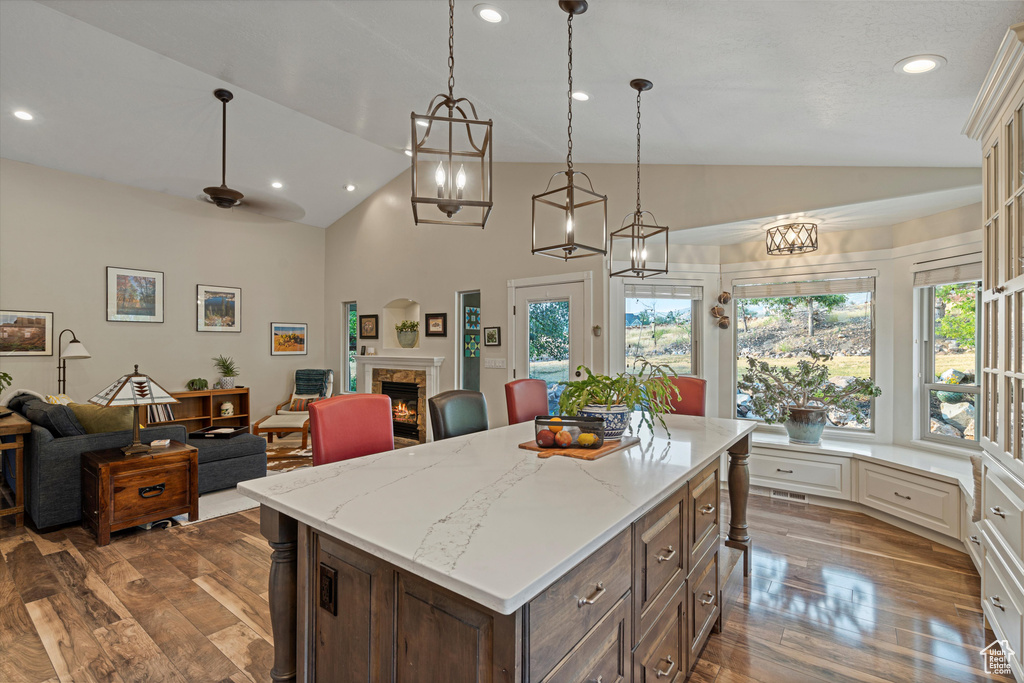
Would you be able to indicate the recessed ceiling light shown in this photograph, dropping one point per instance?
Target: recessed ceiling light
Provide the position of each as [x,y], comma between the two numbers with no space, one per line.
[350,187]
[276,185]
[23,115]
[919,64]
[490,14]
[580,96]
[408,152]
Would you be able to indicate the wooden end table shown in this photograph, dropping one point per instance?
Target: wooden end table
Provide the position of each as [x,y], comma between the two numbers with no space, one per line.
[17,426]
[120,491]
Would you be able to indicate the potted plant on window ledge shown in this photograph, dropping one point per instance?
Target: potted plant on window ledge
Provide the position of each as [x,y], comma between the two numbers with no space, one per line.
[800,397]
[614,398]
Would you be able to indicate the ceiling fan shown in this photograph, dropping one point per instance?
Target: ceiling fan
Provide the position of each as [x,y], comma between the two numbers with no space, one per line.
[225,197]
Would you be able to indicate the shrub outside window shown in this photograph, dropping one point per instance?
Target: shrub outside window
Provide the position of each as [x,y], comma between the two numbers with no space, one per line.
[661,326]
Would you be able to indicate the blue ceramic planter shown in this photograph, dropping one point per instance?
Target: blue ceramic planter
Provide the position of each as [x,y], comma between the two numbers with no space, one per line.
[805,425]
[616,419]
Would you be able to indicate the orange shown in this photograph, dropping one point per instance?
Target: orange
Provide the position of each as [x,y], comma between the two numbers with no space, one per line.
[555,428]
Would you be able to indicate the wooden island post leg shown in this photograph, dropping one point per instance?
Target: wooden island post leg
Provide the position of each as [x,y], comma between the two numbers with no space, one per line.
[282,533]
[739,490]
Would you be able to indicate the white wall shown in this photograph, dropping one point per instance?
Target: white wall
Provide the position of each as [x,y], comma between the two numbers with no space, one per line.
[58,233]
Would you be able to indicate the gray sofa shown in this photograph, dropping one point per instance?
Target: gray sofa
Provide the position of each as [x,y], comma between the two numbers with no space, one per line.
[52,463]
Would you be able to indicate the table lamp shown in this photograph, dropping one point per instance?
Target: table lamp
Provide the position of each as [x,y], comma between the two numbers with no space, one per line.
[134,390]
[74,349]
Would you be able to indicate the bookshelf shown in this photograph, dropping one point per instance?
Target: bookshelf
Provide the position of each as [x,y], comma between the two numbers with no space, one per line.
[198,409]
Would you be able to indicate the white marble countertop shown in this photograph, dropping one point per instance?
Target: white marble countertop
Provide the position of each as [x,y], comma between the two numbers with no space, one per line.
[485,519]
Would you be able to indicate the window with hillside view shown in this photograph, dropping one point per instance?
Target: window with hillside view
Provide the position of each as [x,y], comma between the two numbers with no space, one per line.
[782,323]
[660,326]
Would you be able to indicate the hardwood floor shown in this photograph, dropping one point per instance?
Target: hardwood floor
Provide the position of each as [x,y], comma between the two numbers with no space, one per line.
[833,596]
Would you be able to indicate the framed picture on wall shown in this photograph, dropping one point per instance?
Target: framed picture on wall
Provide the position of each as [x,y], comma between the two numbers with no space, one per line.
[135,296]
[287,339]
[437,325]
[26,333]
[492,336]
[218,309]
[368,326]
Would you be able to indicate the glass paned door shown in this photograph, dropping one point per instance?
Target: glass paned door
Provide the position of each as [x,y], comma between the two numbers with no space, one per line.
[549,335]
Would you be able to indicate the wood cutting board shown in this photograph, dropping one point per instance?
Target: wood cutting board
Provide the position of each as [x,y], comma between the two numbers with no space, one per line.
[582,453]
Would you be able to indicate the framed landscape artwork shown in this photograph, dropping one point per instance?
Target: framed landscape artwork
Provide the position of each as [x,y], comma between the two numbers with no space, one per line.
[492,336]
[437,324]
[26,333]
[135,296]
[368,326]
[218,309]
[287,339]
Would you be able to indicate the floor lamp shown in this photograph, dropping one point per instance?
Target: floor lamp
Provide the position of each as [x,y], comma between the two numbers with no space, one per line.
[74,349]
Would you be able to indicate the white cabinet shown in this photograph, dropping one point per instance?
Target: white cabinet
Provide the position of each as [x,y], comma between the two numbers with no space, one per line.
[922,500]
[819,475]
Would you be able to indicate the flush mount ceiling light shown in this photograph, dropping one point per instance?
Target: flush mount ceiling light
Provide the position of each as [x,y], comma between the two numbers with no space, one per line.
[350,187]
[451,156]
[919,64]
[490,13]
[643,226]
[23,115]
[570,198]
[791,236]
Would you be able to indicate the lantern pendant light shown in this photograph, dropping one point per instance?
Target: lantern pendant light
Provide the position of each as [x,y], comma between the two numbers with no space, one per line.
[568,199]
[451,156]
[643,227]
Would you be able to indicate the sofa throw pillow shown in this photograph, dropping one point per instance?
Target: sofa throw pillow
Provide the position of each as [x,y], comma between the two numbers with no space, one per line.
[58,419]
[99,419]
[61,399]
[300,404]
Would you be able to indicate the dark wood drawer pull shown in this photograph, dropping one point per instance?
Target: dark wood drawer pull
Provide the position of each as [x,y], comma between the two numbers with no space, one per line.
[779,469]
[998,511]
[710,598]
[151,491]
[662,673]
[996,602]
[707,509]
[900,495]
[666,558]
[974,540]
[594,597]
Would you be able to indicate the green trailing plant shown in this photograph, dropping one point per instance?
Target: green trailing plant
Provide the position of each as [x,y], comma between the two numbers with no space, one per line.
[407,326]
[5,380]
[650,390]
[774,389]
[197,384]
[225,366]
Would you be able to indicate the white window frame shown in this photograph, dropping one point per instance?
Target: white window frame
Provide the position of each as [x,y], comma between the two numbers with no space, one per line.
[696,316]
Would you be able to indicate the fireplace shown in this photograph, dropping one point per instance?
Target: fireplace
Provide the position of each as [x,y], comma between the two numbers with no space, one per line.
[405,407]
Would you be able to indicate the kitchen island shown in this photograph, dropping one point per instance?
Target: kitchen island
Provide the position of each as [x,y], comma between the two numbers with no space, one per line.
[473,560]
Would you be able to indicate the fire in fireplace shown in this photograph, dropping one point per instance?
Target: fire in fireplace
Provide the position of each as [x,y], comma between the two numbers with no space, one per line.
[404,407]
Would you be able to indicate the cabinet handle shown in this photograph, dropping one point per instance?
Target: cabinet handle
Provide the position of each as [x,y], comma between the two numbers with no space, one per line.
[996,602]
[151,491]
[901,495]
[778,469]
[974,540]
[666,558]
[711,598]
[599,679]
[998,511]
[594,597]
[707,509]
[667,672]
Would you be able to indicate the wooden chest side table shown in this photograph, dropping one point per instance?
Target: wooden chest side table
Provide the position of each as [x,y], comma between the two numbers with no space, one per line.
[121,491]
[17,426]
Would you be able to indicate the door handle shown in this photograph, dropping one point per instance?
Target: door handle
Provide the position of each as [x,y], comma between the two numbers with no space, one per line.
[710,598]
[579,374]
[667,672]
[666,558]
[594,597]
[707,509]
[998,511]
[151,491]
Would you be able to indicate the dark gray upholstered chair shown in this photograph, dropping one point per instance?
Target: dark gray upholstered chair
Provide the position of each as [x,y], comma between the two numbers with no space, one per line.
[458,412]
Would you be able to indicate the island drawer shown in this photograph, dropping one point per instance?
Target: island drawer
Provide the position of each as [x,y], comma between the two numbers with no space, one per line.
[1003,513]
[703,512]
[561,616]
[664,651]
[659,547]
[923,500]
[703,607]
[603,655]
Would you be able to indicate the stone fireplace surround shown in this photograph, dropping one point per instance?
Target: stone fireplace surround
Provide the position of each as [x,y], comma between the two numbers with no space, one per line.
[420,370]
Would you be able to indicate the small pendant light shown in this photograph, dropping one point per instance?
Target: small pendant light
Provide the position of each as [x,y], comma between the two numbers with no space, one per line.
[451,156]
[568,199]
[641,230]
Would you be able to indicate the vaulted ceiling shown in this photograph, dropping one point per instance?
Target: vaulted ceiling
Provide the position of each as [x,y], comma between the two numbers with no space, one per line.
[121,89]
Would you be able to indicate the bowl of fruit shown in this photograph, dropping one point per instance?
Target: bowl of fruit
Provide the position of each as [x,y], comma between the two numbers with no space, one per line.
[568,432]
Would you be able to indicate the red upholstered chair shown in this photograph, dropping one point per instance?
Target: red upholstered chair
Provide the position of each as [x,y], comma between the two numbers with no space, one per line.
[692,390]
[526,399]
[350,426]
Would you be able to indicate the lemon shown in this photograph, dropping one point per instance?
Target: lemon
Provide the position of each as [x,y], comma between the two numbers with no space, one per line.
[555,428]
[586,440]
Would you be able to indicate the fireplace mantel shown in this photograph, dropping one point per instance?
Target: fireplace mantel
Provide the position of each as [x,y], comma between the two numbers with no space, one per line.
[430,365]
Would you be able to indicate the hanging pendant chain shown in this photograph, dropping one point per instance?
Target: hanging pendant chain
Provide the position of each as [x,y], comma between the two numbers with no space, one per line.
[638,152]
[568,157]
[451,51]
